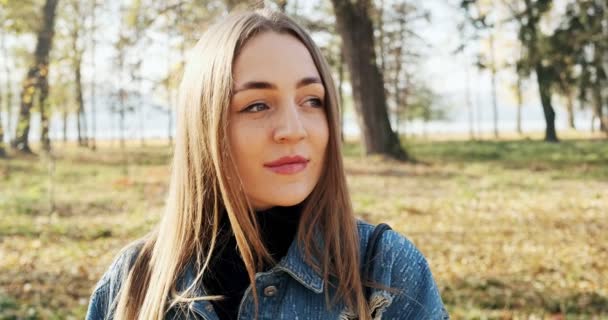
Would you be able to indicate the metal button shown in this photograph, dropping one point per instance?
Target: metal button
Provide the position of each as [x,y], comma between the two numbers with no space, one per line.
[209,307]
[270,291]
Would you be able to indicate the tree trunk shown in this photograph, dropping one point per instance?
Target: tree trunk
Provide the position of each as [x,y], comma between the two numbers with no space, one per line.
[494,100]
[542,74]
[356,30]
[44,114]
[36,77]
[520,102]
[9,90]
[570,109]
[79,101]
[2,147]
[596,93]
[93,141]
[80,119]
[468,100]
[398,70]
[544,87]
[65,125]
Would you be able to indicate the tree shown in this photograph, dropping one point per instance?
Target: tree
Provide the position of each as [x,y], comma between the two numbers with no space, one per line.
[73,15]
[584,34]
[17,18]
[483,16]
[2,148]
[354,24]
[396,42]
[36,79]
[425,105]
[536,56]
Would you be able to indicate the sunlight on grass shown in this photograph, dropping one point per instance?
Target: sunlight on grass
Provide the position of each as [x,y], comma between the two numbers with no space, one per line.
[511,229]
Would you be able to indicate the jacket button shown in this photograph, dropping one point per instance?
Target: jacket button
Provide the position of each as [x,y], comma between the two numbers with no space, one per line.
[270,291]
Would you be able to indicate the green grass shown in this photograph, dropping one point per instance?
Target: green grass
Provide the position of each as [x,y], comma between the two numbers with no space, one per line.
[511,229]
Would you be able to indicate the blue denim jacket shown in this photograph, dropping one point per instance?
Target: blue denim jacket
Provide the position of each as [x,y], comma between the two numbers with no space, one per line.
[293,290]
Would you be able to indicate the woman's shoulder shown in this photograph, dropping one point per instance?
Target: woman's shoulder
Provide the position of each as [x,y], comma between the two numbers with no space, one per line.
[109,284]
[391,242]
[399,265]
[121,264]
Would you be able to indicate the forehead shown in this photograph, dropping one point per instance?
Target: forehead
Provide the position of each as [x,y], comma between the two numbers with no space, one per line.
[274,57]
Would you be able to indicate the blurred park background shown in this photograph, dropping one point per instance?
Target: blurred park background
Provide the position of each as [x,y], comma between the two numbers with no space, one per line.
[479,130]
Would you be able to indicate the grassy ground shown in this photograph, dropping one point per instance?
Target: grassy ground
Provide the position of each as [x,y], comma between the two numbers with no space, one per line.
[512,229]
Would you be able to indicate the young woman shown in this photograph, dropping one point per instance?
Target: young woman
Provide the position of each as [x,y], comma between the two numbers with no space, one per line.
[258,221]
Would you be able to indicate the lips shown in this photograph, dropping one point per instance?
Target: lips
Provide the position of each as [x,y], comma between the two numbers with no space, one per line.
[286,160]
[287,165]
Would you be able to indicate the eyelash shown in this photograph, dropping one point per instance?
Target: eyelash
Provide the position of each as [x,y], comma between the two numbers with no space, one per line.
[318,103]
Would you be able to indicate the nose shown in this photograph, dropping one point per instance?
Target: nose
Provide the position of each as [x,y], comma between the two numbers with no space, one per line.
[290,127]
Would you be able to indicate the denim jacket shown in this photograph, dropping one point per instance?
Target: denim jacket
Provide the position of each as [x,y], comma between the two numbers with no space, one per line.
[293,290]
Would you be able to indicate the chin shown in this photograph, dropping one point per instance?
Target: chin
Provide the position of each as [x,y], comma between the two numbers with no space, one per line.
[288,199]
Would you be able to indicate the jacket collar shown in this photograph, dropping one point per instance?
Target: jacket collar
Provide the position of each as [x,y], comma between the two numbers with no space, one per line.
[294,264]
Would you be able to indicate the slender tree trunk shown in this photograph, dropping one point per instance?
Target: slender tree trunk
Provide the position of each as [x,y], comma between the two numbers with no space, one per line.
[494,100]
[9,89]
[44,114]
[397,102]
[356,29]
[597,88]
[544,86]
[122,94]
[77,52]
[380,28]
[570,109]
[81,108]
[479,107]
[597,106]
[520,102]
[468,99]
[398,71]
[93,140]
[2,146]
[85,139]
[80,119]
[64,117]
[36,77]
[121,114]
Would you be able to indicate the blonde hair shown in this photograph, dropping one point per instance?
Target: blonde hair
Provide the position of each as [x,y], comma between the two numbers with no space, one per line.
[205,184]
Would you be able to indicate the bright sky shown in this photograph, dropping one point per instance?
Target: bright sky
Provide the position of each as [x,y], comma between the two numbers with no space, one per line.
[443,70]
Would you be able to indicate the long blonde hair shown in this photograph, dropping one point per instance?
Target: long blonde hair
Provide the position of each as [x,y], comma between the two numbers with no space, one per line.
[205,184]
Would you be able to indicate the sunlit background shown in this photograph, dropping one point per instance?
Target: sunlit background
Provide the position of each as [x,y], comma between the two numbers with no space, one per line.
[496,165]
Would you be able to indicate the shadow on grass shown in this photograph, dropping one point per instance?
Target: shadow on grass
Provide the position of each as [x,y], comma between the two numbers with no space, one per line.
[400,173]
[517,295]
[46,295]
[567,159]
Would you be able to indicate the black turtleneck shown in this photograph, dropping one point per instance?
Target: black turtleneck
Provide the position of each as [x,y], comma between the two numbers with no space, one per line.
[227,274]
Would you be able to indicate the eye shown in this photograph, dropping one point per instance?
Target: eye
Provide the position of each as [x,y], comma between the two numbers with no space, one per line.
[314,102]
[256,107]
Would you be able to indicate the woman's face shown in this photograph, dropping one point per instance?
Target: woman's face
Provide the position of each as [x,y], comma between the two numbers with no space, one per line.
[278,129]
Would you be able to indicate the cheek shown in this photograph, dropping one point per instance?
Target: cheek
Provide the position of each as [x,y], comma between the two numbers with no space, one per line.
[245,147]
[320,135]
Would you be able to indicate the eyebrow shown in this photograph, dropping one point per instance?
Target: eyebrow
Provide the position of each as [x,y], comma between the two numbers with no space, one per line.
[267,85]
